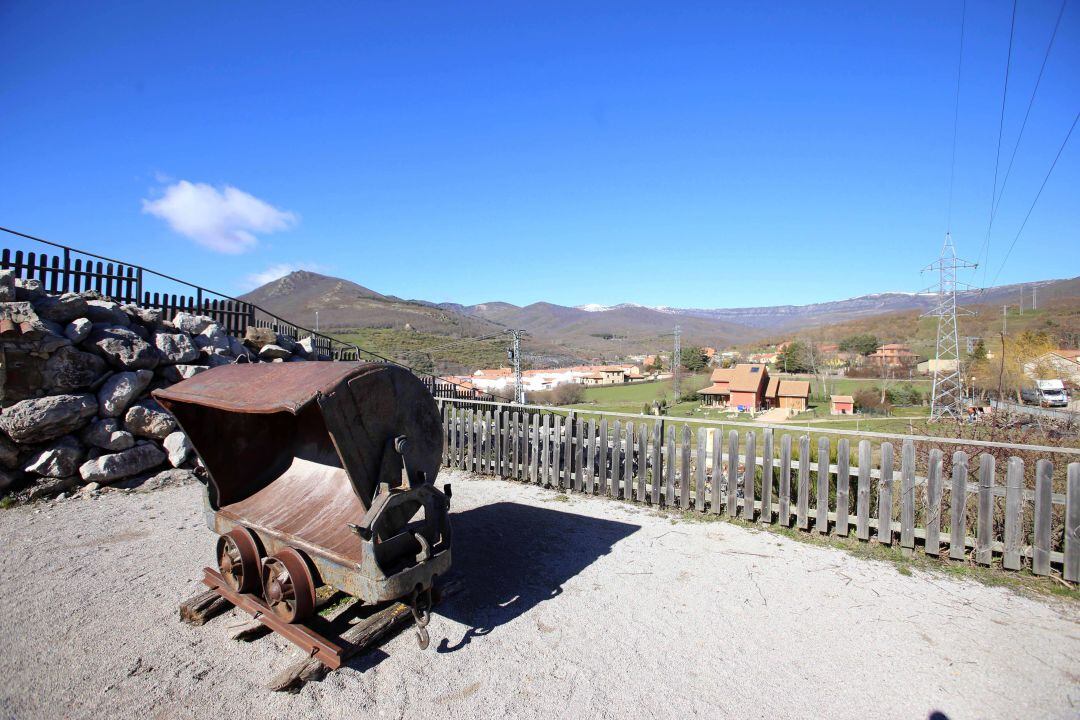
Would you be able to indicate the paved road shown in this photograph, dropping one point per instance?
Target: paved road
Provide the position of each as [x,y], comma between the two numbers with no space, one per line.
[582,608]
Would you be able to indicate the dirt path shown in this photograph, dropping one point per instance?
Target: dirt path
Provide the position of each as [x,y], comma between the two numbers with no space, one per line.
[581,608]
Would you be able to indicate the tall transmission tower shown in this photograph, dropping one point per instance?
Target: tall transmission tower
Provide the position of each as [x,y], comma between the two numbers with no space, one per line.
[676,363]
[947,400]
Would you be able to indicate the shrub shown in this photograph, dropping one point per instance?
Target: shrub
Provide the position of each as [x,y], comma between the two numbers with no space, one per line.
[566,394]
[869,401]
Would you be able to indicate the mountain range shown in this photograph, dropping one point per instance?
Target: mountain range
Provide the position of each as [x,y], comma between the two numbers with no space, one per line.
[595,331]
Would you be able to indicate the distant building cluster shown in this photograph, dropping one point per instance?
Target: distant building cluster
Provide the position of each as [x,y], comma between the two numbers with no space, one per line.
[501,380]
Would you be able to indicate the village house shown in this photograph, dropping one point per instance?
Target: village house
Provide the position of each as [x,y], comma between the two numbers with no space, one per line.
[717,394]
[893,355]
[842,405]
[747,386]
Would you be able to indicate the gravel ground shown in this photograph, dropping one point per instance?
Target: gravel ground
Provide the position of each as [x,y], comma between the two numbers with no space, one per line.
[580,608]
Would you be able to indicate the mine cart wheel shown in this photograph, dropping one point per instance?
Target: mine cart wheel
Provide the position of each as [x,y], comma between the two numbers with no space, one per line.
[238,559]
[288,587]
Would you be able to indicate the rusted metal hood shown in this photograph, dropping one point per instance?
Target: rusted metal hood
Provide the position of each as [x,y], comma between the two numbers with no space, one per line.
[261,387]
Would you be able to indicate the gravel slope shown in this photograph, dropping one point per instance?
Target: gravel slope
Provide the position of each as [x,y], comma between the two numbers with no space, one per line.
[585,608]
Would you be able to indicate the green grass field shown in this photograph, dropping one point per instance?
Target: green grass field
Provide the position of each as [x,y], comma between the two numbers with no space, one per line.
[849,386]
[630,398]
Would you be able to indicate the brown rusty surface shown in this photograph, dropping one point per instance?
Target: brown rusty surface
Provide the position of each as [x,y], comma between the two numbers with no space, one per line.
[309,506]
[247,422]
[262,387]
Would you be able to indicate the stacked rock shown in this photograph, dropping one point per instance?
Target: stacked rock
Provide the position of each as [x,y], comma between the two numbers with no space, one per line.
[76,372]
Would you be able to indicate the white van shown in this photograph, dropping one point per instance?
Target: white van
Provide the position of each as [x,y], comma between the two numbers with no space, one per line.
[1047,393]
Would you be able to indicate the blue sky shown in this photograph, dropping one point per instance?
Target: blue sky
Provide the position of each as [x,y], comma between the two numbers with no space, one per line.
[569,152]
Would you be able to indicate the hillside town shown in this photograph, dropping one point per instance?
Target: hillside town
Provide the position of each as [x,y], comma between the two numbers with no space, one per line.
[778,379]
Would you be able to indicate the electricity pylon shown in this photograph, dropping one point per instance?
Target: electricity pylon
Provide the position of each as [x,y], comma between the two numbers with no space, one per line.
[947,400]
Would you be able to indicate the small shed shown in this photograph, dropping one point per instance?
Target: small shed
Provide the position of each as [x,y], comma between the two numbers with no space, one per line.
[793,395]
[843,405]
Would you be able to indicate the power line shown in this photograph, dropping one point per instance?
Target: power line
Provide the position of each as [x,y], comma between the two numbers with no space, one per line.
[1001,127]
[956,118]
[1038,194]
[1031,102]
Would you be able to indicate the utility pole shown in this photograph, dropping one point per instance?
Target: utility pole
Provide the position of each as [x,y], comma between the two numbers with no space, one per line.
[316,321]
[1034,304]
[676,363]
[947,399]
[519,392]
[1021,299]
[1004,314]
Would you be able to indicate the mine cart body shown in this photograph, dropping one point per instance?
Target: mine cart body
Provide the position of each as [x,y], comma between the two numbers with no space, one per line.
[334,460]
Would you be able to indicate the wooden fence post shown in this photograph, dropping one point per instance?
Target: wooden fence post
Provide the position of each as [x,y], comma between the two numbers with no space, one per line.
[590,461]
[658,462]
[843,485]
[497,442]
[862,498]
[717,470]
[628,467]
[534,450]
[684,469]
[508,444]
[766,475]
[907,496]
[749,473]
[602,459]
[642,462]
[669,468]
[985,524]
[732,476]
[521,450]
[1040,556]
[557,454]
[802,508]
[885,501]
[579,457]
[933,504]
[1071,568]
[545,451]
[1014,484]
[699,470]
[616,460]
[821,519]
[958,507]
[785,481]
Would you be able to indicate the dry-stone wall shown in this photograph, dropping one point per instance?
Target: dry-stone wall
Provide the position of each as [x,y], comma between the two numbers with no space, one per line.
[76,372]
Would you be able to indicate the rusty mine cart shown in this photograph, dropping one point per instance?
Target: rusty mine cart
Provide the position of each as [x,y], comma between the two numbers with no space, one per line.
[317,473]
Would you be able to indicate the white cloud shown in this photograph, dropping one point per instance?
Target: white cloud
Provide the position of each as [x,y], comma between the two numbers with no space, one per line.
[276,271]
[225,220]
